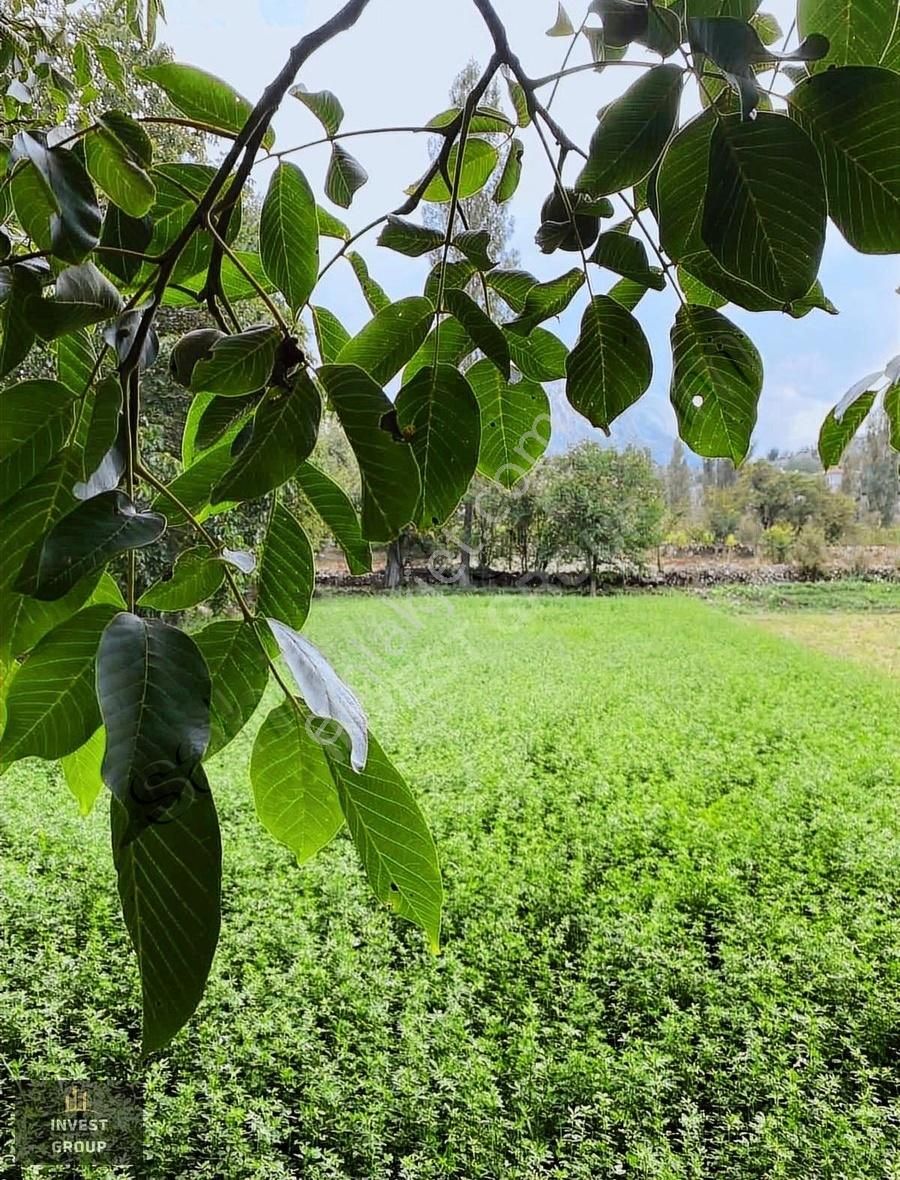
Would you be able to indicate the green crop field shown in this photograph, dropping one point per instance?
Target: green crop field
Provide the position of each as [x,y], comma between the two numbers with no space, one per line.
[671,853]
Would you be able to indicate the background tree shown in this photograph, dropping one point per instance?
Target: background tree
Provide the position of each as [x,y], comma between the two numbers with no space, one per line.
[601,507]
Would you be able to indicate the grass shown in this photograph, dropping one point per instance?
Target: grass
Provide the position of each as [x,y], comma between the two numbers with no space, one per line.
[853,620]
[847,594]
[671,949]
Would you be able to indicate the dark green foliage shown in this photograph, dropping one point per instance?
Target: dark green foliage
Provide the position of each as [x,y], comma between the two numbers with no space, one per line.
[663,888]
[120,240]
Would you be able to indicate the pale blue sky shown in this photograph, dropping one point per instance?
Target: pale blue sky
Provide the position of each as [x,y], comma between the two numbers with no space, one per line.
[395,67]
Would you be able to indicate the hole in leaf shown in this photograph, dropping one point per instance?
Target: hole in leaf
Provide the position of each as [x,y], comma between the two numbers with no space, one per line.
[697,400]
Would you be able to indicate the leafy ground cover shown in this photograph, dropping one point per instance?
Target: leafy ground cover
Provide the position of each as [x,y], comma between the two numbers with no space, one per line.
[853,620]
[844,594]
[670,844]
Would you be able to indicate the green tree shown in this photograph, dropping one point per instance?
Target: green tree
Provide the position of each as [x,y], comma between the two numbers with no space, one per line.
[107,227]
[601,507]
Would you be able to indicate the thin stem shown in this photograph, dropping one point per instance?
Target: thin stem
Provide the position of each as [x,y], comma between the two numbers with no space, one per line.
[537,83]
[663,261]
[264,296]
[249,617]
[468,108]
[570,212]
[193,124]
[347,135]
[565,61]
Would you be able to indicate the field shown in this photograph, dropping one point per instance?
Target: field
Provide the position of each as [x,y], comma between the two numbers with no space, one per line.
[670,842]
[857,621]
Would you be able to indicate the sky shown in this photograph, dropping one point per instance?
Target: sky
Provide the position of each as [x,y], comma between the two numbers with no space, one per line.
[395,67]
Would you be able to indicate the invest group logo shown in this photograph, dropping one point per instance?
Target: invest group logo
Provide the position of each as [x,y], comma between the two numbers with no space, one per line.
[67,1122]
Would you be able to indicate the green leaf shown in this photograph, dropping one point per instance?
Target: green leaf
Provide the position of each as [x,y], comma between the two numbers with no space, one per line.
[35,420]
[540,356]
[196,576]
[852,116]
[515,424]
[736,48]
[239,673]
[478,162]
[632,132]
[680,195]
[716,382]
[511,174]
[408,238]
[623,20]
[203,97]
[33,511]
[331,335]
[82,296]
[323,690]
[33,203]
[601,50]
[169,877]
[484,120]
[236,287]
[448,346]
[111,65]
[892,409]
[221,415]
[114,171]
[194,486]
[85,539]
[842,424]
[23,288]
[475,244]
[287,572]
[51,705]
[333,505]
[284,433]
[627,256]
[562,26]
[324,105]
[121,233]
[24,621]
[388,341]
[859,32]
[176,187]
[512,286]
[391,837]
[344,177]
[696,292]
[153,687]
[75,214]
[628,293]
[289,235]
[390,476]
[480,328]
[610,366]
[518,98]
[764,213]
[374,295]
[81,770]
[331,226]
[295,795]
[75,361]
[548,299]
[664,33]
[456,274]
[815,298]
[238,364]
[439,413]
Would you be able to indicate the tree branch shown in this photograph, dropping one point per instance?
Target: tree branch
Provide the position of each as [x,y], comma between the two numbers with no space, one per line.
[248,141]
